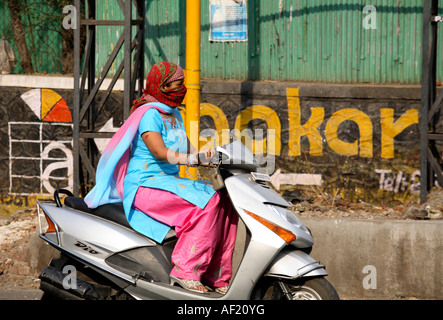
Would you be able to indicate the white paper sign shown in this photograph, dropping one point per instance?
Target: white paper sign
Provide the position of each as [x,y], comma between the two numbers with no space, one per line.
[228,20]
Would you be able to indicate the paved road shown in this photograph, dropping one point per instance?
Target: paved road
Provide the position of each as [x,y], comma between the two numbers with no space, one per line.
[20,294]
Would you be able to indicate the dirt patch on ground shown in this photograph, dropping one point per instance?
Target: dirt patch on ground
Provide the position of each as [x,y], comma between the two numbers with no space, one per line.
[15,232]
[16,270]
[327,206]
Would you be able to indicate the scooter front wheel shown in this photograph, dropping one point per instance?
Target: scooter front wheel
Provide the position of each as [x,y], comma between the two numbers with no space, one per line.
[299,289]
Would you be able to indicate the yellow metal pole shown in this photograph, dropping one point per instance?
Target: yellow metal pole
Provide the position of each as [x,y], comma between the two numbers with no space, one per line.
[192,79]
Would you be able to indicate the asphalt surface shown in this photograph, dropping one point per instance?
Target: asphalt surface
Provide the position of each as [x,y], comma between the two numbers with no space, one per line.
[20,294]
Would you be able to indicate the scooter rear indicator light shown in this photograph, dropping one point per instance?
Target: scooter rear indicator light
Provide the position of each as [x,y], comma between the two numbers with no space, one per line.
[286,235]
[51,225]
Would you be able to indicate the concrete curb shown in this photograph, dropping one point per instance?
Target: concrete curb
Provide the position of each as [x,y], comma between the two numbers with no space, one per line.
[381,259]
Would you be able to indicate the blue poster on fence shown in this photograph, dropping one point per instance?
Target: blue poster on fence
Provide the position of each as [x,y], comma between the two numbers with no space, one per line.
[228,20]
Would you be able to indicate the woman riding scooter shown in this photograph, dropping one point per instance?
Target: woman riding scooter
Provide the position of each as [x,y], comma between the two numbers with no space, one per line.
[141,168]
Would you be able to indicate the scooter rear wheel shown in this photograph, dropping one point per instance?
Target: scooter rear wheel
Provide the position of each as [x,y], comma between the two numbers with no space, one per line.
[299,289]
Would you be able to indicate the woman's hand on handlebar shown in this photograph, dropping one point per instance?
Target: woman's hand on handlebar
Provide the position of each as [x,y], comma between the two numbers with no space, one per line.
[206,157]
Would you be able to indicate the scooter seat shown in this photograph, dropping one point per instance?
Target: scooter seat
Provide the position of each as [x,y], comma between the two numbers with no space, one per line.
[111,211]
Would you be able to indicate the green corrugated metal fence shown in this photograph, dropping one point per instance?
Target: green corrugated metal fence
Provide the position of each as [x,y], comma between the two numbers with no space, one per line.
[301,40]
[321,40]
[164,32]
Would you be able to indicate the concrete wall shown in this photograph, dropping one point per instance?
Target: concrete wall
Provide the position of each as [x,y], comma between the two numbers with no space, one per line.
[363,140]
[384,259]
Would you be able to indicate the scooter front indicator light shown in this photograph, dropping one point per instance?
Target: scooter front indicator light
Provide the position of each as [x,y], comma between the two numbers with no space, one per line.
[286,235]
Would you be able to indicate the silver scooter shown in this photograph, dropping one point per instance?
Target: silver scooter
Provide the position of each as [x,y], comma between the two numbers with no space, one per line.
[102,257]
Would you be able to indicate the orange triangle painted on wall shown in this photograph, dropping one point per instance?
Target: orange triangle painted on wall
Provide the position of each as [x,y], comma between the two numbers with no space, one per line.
[59,113]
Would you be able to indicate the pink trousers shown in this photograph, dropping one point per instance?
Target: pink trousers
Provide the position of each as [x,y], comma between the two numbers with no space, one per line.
[206,237]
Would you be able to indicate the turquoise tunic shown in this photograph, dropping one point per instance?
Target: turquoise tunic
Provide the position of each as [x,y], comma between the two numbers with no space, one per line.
[147,171]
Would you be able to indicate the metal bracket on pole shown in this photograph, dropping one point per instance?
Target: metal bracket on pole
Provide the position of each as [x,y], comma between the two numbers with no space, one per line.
[86,106]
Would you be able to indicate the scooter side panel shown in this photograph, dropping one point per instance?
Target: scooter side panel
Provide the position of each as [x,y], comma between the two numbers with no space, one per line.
[294,264]
[92,239]
[102,234]
[245,193]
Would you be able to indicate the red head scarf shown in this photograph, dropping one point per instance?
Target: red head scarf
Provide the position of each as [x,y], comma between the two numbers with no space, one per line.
[162,73]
